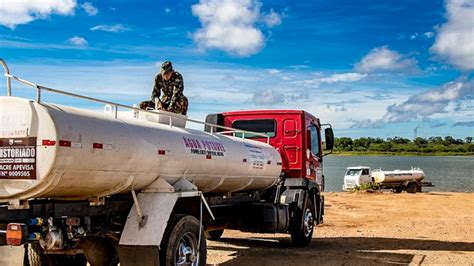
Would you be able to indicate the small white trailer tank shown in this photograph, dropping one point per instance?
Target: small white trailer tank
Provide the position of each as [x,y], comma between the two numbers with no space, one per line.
[398,176]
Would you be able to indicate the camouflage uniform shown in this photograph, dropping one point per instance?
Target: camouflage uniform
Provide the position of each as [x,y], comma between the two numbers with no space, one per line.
[173,99]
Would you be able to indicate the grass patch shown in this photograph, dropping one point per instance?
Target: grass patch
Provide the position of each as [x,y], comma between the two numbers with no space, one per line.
[365,187]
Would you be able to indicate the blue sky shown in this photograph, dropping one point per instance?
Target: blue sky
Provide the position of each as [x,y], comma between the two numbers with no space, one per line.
[371,68]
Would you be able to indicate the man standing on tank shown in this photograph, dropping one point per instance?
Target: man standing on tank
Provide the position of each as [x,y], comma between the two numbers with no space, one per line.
[170,86]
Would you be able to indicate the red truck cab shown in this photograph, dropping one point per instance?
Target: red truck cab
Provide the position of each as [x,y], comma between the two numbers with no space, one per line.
[296,134]
[295,204]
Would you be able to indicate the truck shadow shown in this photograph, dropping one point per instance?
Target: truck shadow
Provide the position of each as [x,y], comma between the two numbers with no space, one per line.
[332,251]
[429,193]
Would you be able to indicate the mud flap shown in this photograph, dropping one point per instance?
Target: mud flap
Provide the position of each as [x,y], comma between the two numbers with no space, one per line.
[321,211]
[139,243]
[139,255]
[319,205]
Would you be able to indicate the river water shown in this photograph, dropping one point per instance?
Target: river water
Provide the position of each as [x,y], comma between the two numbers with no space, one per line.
[447,173]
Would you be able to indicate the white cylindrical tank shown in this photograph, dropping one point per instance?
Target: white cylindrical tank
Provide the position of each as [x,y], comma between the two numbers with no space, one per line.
[62,152]
[397,176]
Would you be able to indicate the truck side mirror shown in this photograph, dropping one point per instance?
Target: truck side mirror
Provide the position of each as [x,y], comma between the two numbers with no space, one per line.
[329,135]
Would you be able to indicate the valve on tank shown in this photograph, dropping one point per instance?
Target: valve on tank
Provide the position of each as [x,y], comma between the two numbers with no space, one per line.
[53,239]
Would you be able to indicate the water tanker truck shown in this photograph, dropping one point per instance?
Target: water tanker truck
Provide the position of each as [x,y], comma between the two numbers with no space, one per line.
[398,180]
[137,187]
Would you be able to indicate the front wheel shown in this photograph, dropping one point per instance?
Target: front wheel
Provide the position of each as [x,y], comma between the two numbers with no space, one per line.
[180,244]
[412,187]
[302,231]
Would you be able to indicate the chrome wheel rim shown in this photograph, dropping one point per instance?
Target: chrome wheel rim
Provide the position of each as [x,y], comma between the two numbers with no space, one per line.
[308,222]
[186,253]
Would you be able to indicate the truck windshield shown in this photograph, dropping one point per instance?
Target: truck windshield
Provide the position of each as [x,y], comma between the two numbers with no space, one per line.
[353,172]
[265,126]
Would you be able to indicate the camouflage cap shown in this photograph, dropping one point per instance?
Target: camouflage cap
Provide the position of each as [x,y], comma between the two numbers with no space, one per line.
[166,67]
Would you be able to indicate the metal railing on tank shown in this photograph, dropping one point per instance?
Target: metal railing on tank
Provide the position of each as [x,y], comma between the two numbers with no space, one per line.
[40,88]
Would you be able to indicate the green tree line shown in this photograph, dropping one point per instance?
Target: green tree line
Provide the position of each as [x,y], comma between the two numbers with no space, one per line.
[397,145]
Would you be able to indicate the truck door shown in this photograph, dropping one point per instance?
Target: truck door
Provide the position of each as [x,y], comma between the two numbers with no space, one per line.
[314,167]
[365,176]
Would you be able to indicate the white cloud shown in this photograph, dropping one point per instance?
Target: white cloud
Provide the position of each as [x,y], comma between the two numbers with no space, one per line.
[431,102]
[142,50]
[273,71]
[343,77]
[455,38]
[464,124]
[110,28]
[336,108]
[29,45]
[267,97]
[429,34]
[382,59]
[89,9]
[445,99]
[77,41]
[272,19]
[13,12]
[299,67]
[414,36]
[231,26]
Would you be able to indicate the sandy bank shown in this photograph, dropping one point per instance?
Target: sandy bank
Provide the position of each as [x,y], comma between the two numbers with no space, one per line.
[367,229]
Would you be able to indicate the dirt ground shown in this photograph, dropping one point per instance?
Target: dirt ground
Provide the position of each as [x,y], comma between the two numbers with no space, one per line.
[367,229]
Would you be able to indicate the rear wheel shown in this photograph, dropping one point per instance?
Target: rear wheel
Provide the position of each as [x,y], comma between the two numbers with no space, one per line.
[412,187]
[302,231]
[214,235]
[180,244]
[100,251]
[60,260]
[398,189]
[418,188]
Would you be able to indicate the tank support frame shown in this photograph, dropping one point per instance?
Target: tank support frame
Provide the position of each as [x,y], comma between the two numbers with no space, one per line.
[147,221]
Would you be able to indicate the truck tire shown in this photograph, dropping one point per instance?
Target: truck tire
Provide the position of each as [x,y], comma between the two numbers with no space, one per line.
[180,242]
[100,251]
[214,235]
[398,189]
[60,260]
[302,231]
[33,254]
[419,188]
[412,187]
